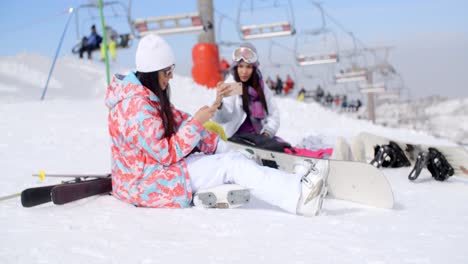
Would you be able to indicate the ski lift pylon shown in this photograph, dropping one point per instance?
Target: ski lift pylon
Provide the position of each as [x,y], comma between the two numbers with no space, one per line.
[174,24]
[266,30]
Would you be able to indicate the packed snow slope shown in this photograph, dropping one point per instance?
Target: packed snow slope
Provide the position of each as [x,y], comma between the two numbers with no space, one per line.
[67,133]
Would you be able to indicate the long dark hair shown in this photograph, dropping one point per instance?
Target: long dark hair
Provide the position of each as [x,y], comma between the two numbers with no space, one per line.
[253,81]
[150,81]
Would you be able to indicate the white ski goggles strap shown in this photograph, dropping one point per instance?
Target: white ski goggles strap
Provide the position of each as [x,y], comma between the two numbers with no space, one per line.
[244,53]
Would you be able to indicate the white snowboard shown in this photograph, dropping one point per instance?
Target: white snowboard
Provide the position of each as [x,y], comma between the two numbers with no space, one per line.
[347,180]
[363,150]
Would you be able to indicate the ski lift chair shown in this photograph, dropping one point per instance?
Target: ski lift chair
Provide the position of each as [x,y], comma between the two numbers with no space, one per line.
[124,41]
[175,24]
[351,76]
[373,88]
[305,60]
[266,30]
[324,57]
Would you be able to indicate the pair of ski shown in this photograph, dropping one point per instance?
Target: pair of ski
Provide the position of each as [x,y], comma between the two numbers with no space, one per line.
[80,187]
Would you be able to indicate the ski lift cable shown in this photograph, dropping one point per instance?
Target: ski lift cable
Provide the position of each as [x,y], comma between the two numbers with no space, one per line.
[223,16]
[279,65]
[356,40]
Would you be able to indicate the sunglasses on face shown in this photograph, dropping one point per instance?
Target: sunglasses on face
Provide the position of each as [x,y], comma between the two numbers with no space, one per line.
[169,71]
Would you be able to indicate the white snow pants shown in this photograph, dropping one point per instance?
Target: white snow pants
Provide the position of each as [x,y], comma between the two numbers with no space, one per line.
[270,185]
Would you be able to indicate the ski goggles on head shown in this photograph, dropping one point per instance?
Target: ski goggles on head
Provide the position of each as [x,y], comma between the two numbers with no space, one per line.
[169,71]
[245,54]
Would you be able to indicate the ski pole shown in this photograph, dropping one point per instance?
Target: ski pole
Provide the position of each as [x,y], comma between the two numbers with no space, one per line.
[42,175]
[11,196]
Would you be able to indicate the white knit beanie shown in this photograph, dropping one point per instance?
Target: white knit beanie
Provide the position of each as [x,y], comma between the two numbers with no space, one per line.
[153,54]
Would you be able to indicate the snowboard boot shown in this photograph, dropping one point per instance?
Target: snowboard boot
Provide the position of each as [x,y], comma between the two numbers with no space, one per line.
[222,196]
[313,186]
[390,156]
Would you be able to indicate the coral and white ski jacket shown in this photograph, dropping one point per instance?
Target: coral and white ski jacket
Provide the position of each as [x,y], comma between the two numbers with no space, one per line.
[231,115]
[148,169]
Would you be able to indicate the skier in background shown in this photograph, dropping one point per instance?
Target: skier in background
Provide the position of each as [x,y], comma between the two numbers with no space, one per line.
[112,38]
[90,43]
[153,145]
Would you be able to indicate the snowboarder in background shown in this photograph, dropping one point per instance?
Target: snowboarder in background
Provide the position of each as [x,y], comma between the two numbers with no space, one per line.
[358,104]
[289,85]
[344,102]
[279,85]
[337,100]
[329,99]
[153,143]
[319,93]
[90,43]
[301,95]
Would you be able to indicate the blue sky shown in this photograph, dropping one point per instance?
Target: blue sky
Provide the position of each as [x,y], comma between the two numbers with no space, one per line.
[36,26]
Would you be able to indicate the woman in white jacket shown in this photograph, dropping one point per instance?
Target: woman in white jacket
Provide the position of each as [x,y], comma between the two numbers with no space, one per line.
[253,112]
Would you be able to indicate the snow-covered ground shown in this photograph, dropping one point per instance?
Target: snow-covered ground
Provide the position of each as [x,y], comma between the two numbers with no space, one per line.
[68,133]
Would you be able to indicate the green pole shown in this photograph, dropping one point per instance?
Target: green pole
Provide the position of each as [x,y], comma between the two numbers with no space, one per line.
[104,40]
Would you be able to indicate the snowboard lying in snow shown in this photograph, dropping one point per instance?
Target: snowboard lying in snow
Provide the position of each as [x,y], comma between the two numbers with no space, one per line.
[363,150]
[347,180]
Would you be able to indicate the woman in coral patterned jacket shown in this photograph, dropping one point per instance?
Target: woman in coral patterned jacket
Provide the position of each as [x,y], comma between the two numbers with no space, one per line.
[153,146]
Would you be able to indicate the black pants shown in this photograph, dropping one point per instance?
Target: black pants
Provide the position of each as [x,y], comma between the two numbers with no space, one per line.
[87,48]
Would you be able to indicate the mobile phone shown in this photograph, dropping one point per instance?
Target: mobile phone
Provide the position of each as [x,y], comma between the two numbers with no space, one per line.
[236,88]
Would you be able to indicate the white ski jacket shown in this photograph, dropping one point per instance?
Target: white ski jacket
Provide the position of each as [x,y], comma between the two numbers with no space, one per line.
[232,115]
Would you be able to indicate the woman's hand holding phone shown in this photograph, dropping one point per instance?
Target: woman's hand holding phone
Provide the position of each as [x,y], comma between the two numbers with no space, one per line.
[225,90]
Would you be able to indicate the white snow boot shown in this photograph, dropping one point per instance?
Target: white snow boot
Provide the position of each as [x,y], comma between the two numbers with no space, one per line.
[222,196]
[313,186]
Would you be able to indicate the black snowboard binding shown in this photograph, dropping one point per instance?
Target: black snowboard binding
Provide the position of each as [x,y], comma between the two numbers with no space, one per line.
[436,163]
[389,156]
